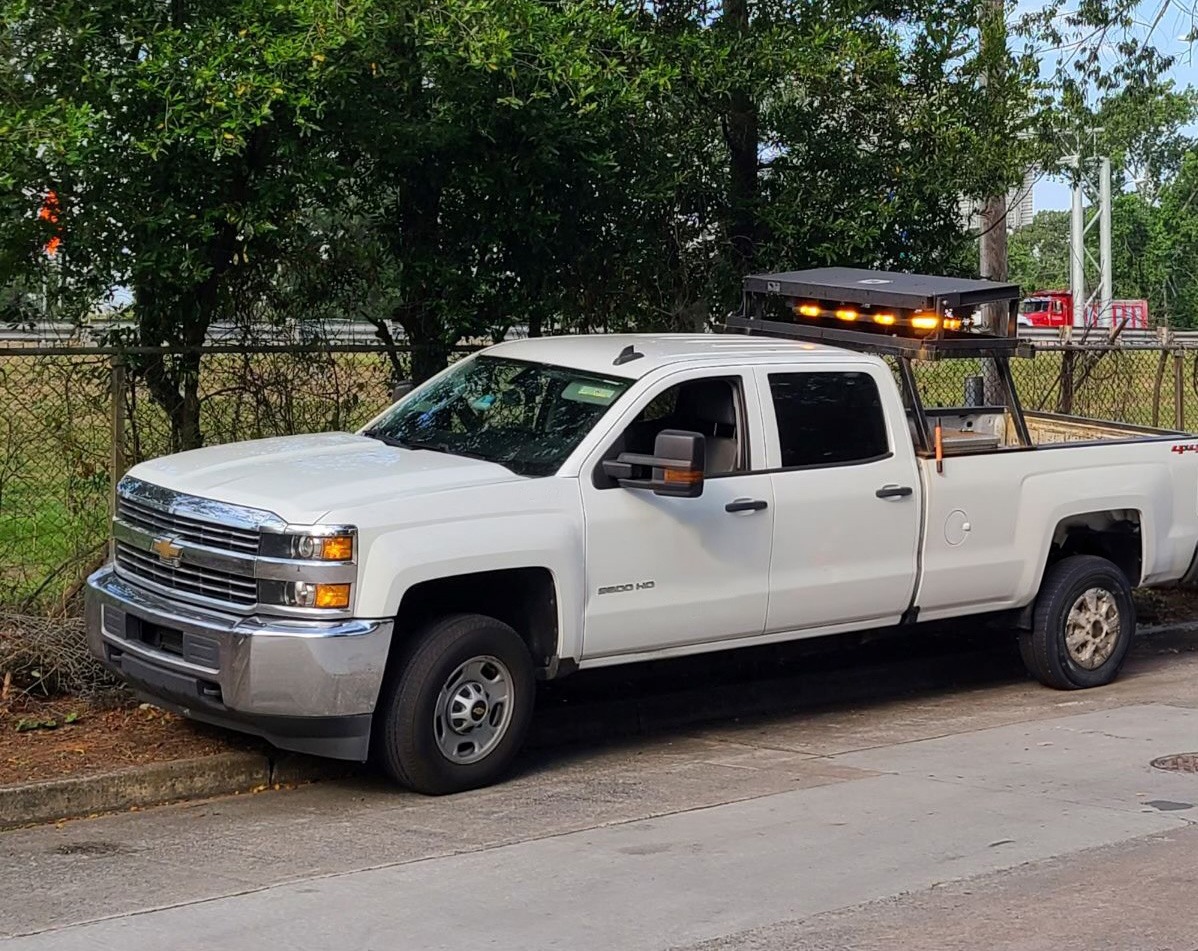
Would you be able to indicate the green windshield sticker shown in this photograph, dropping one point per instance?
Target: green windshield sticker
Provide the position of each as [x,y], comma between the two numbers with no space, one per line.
[581,392]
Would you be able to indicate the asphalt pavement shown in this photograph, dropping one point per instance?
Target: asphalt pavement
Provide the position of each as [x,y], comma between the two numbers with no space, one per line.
[949,804]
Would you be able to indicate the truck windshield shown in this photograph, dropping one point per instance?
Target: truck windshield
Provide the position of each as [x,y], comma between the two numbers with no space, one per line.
[526,416]
[1033,305]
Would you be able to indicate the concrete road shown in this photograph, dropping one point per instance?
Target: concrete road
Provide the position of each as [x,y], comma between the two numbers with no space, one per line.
[994,815]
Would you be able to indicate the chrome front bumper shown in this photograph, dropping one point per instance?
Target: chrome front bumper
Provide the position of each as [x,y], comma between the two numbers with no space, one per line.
[304,685]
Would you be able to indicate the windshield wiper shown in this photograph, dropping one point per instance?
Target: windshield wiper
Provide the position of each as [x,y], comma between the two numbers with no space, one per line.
[437,447]
[384,438]
[405,443]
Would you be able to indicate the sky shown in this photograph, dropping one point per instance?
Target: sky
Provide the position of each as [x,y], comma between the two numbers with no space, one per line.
[1170,22]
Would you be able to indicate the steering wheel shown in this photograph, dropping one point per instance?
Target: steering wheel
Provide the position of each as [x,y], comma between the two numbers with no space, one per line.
[464,413]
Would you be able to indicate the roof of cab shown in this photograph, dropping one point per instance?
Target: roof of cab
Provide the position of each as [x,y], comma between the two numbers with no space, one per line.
[597,353]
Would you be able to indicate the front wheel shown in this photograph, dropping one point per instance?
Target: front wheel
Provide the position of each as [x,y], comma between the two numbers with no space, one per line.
[1082,626]
[456,714]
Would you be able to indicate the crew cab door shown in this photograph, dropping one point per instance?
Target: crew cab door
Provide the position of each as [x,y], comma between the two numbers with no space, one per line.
[846,497]
[667,572]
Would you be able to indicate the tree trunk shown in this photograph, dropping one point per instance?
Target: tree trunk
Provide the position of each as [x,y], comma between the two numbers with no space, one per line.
[992,247]
[741,135]
[174,383]
[420,231]
[430,351]
[180,317]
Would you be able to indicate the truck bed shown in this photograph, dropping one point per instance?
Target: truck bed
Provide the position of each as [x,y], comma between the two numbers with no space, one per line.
[1052,428]
[968,431]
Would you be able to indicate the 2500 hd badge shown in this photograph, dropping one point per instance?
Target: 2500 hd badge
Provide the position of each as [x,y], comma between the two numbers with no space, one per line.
[621,588]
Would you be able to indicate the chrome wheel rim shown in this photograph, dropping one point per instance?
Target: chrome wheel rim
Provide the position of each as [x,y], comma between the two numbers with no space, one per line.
[1092,628]
[474,710]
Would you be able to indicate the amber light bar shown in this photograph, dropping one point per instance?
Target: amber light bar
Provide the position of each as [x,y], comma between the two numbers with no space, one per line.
[918,320]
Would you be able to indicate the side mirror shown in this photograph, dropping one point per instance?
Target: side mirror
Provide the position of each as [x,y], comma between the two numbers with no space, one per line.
[675,468]
[400,390]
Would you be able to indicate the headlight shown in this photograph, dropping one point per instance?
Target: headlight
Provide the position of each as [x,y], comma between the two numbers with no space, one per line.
[331,545]
[305,594]
[308,567]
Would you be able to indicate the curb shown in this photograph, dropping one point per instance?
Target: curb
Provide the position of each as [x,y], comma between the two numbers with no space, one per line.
[1161,630]
[155,783]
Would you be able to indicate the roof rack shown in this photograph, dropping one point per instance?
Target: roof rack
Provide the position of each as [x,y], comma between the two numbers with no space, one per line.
[909,315]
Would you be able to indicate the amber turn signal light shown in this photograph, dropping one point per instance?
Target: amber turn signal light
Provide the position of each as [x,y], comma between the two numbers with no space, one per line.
[337,547]
[332,596]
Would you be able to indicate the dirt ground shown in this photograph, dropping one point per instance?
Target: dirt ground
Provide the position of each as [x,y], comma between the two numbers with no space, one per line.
[1166,605]
[97,737]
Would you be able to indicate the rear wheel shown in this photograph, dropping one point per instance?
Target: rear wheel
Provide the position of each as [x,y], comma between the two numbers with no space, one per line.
[1083,624]
[456,714]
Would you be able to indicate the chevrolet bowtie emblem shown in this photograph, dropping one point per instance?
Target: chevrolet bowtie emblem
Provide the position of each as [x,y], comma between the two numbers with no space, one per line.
[167,550]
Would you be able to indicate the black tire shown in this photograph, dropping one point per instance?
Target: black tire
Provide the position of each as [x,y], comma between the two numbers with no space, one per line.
[411,711]
[1044,648]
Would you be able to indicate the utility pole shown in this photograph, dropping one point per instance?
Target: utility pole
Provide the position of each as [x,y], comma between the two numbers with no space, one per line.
[993,244]
[993,240]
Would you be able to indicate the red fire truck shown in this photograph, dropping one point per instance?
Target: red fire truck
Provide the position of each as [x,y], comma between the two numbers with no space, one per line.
[1055,309]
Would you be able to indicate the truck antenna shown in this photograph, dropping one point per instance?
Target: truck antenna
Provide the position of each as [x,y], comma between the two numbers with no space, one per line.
[627,355]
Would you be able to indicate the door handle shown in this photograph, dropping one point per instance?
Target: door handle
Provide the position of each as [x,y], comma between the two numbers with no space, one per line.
[894,492]
[746,505]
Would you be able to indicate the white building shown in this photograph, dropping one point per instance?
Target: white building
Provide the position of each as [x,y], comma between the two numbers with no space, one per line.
[1020,206]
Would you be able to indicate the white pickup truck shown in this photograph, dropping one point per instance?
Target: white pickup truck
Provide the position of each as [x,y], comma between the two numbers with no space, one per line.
[562,503]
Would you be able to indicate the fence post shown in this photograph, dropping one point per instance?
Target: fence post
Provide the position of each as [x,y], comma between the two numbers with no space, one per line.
[1065,405]
[116,383]
[1179,395]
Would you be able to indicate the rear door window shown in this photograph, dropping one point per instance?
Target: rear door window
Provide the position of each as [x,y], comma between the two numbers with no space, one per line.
[828,419]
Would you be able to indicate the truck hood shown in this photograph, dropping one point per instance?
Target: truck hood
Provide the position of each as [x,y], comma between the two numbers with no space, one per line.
[300,478]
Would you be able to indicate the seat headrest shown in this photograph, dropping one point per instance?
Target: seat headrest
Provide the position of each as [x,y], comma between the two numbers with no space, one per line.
[708,401]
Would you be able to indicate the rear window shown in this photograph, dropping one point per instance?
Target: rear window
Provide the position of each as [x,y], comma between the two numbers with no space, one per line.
[828,419]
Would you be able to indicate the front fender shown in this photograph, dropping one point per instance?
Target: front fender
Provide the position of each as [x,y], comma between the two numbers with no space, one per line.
[396,559]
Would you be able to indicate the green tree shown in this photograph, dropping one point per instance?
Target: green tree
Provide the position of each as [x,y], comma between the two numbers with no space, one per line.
[1175,245]
[184,137]
[1039,253]
[1144,131]
[488,172]
[457,167]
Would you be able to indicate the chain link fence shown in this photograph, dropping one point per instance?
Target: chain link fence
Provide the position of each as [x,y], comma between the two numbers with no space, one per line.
[1140,384]
[75,418]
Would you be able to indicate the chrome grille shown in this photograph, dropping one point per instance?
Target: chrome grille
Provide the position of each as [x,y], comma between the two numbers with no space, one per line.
[191,579]
[161,522]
